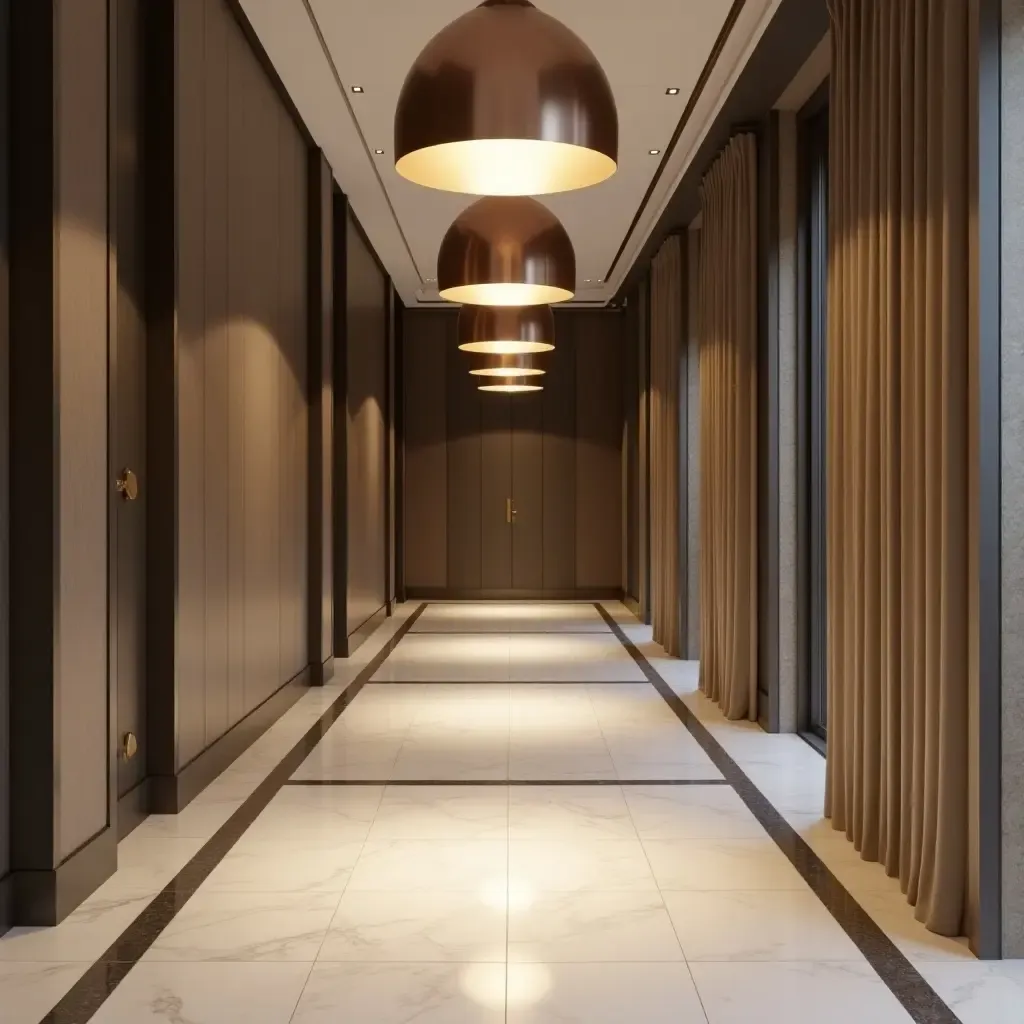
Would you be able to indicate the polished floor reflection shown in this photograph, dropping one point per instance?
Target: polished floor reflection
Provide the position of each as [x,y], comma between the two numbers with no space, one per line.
[509,822]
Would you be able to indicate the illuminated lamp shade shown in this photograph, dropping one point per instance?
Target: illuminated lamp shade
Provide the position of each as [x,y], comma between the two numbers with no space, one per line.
[519,364]
[506,101]
[510,386]
[506,251]
[504,330]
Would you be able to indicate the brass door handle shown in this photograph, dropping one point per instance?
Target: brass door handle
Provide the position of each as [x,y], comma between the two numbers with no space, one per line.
[128,485]
[510,511]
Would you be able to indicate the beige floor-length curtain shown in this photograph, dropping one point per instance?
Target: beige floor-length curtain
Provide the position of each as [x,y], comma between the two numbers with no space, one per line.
[667,284]
[897,444]
[727,324]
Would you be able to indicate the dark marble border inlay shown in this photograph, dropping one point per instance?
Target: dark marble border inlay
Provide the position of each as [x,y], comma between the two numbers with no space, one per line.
[917,997]
[89,993]
[499,783]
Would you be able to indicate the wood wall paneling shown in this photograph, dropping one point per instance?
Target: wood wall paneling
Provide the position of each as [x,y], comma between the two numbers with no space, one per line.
[320,269]
[366,383]
[5,777]
[558,453]
[426,339]
[598,449]
[466,452]
[242,406]
[527,477]
[61,743]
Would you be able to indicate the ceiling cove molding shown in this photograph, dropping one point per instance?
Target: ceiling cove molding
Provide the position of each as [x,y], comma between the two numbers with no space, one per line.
[738,43]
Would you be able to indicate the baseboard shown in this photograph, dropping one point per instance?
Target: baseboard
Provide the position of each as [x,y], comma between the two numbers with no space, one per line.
[42,899]
[553,594]
[320,674]
[362,633]
[171,794]
[132,809]
[632,604]
[6,903]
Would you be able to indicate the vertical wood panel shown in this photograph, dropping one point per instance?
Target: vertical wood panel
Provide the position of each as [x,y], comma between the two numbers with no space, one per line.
[5,779]
[464,475]
[425,341]
[528,490]
[559,458]
[495,486]
[365,354]
[191,139]
[217,370]
[598,452]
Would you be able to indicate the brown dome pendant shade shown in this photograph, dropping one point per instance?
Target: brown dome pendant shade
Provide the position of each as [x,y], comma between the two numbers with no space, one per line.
[504,330]
[506,251]
[506,101]
[519,364]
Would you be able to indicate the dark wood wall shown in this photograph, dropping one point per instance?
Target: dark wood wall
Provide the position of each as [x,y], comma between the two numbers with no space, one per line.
[5,775]
[242,407]
[558,453]
[365,360]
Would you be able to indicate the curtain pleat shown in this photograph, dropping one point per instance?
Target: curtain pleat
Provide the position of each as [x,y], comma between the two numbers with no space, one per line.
[727,325]
[897,444]
[667,283]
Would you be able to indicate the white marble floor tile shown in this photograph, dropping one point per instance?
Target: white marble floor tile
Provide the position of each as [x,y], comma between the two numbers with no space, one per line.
[757,925]
[417,927]
[145,865]
[335,813]
[568,812]
[432,763]
[569,993]
[83,935]
[639,771]
[592,927]
[980,993]
[442,812]
[510,617]
[206,993]
[285,866]
[721,864]
[28,991]
[795,993]
[690,812]
[895,916]
[201,819]
[548,765]
[447,659]
[577,865]
[405,993]
[247,926]
[464,865]
[582,658]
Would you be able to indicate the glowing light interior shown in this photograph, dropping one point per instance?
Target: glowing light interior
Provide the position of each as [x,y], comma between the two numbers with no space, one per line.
[506,167]
[507,371]
[510,389]
[506,348]
[505,294]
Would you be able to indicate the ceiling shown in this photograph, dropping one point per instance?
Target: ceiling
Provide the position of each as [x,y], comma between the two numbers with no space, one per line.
[322,48]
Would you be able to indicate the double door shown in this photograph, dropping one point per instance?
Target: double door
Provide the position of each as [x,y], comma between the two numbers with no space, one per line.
[511,485]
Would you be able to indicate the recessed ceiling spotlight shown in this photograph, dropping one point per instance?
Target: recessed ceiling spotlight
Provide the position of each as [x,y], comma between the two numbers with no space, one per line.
[586,280]
[357,88]
[600,279]
[431,280]
[672,90]
[379,152]
[654,152]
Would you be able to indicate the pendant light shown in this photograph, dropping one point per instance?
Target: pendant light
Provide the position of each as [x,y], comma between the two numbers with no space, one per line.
[497,330]
[506,101]
[516,364]
[506,251]
[510,387]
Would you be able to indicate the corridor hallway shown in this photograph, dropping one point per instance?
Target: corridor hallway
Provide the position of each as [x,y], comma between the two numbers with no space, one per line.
[502,812]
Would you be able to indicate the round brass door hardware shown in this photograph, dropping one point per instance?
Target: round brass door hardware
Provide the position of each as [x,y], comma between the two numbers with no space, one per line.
[128,485]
